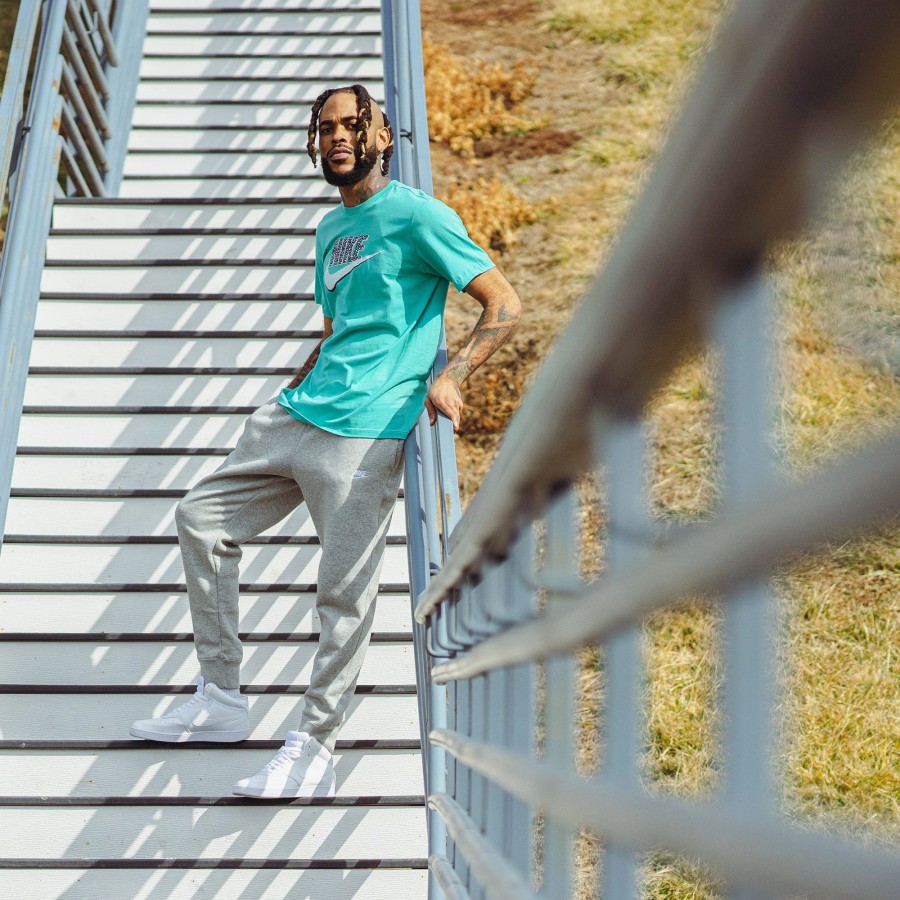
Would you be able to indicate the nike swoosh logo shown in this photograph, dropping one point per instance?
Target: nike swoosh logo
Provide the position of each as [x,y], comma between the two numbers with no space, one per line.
[332,278]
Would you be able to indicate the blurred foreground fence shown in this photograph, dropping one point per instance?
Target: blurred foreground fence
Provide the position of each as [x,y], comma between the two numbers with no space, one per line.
[789,92]
[65,114]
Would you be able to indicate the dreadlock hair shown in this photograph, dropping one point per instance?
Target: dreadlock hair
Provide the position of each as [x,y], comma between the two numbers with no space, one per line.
[363,121]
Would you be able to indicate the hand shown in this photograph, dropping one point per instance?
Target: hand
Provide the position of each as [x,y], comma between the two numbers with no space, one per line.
[444,396]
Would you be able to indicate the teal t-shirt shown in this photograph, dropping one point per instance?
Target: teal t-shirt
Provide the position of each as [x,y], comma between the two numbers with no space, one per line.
[382,270]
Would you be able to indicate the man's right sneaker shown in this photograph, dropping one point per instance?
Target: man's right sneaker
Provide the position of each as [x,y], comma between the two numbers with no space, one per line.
[301,768]
[210,715]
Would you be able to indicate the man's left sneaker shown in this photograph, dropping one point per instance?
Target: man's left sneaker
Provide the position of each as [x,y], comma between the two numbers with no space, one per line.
[301,768]
[210,715]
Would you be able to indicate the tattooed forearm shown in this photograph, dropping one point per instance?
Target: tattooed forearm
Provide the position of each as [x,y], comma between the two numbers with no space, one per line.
[496,324]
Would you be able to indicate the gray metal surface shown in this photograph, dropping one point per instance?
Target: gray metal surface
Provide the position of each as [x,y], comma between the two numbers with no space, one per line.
[788,93]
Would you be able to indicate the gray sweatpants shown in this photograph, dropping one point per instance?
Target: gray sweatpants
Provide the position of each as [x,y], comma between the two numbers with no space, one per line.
[350,486]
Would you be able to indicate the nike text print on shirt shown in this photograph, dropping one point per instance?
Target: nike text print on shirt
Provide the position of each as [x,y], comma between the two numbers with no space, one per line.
[346,253]
[332,278]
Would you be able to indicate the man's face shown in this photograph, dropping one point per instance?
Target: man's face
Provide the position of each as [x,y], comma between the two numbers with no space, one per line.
[338,143]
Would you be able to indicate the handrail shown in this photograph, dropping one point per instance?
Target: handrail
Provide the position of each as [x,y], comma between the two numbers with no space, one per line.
[747,131]
[789,92]
[75,122]
[430,475]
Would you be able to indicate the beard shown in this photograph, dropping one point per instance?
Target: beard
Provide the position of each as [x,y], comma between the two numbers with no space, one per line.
[361,168]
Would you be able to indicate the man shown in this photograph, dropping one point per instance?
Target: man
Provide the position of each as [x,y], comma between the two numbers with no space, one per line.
[334,438]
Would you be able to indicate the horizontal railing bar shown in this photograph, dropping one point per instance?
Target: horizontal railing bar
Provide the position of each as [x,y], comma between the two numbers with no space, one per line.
[109,45]
[751,128]
[736,548]
[498,878]
[753,852]
[446,878]
[72,170]
[73,94]
[88,51]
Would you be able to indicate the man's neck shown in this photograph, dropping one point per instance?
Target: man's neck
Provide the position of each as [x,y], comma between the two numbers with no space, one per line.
[354,194]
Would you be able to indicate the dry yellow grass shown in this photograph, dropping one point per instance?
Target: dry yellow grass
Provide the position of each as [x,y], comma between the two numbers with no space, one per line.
[472,99]
[493,212]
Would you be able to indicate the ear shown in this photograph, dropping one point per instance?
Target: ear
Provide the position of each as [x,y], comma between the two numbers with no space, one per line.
[382,139]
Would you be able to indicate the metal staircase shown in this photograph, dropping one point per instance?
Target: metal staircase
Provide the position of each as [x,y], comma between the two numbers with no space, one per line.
[166,316]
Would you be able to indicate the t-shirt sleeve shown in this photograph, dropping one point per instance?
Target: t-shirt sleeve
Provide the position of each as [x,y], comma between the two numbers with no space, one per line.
[444,245]
[321,295]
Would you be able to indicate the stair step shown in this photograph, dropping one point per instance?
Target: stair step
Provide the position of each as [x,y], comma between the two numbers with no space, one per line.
[212,833]
[94,717]
[151,612]
[127,431]
[249,45]
[190,278]
[125,215]
[256,140]
[104,565]
[227,189]
[154,663]
[269,22]
[214,115]
[192,883]
[151,770]
[121,313]
[241,352]
[68,389]
[356,68]
[181,246]
[259,5]
[140,516]
[255,89]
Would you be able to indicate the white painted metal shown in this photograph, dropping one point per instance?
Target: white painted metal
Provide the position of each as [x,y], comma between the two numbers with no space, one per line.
[256,189]
[260,45]
[330,69]
[210,115]
[107,352]
[137,612]
[230,832]
[257,5]
[289,21]
[108,274]
[186,279]
[255,90]
[133,516]
[124,314]
[289,164]
[123,216]
[213,884]
[131,563]
[152,390]
[68,472]
[106,717]
[121,431]
[157,663]
[173,772]
[85,247]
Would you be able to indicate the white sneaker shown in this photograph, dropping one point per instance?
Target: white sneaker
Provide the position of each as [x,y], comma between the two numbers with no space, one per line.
[210,715]
[301,768]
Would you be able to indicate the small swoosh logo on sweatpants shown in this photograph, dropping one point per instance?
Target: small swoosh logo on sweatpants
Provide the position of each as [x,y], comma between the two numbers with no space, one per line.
[332,278]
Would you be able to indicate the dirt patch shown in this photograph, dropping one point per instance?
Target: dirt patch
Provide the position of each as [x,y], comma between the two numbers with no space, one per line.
[544,142]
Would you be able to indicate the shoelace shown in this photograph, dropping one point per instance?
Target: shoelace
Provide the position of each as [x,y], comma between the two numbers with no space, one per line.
[285,756]
[197,698]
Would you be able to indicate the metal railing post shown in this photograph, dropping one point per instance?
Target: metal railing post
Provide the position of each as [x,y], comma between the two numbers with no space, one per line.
[28,223]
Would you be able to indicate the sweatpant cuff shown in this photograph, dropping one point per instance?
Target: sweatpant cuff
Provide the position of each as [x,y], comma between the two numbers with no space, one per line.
[224,675]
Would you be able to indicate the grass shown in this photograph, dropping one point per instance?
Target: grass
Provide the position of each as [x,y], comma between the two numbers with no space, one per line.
[836,359]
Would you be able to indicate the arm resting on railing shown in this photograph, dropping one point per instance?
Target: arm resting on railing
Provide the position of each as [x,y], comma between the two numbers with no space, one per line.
[501,310]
